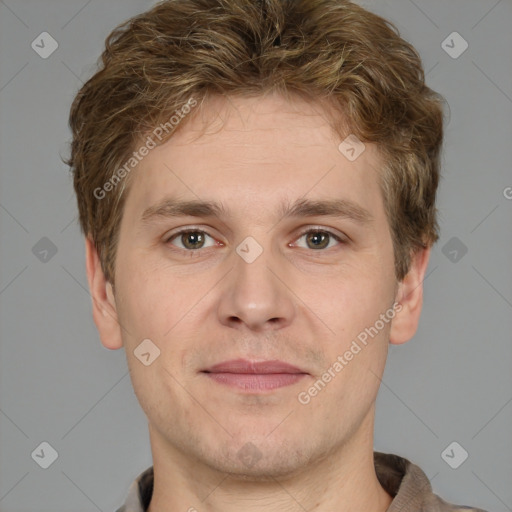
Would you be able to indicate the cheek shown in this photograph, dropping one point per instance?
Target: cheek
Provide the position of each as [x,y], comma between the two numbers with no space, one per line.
[351,300]
[144,305]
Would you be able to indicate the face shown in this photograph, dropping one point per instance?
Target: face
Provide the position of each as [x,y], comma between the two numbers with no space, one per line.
[286,259]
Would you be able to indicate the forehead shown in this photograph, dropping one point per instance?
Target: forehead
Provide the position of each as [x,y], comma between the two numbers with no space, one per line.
[250,152]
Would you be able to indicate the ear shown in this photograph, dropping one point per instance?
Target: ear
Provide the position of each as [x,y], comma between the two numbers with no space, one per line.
[103,302]
[410,297]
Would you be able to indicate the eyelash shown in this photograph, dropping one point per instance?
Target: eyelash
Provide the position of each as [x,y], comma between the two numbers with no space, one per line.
[310,230]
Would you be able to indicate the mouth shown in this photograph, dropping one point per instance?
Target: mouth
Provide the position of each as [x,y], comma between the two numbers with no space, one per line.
[252,376]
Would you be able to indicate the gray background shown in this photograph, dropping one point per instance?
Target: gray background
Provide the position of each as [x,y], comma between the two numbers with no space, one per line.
[452,382]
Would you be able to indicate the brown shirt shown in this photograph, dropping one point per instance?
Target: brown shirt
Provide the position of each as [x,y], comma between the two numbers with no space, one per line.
[402,480]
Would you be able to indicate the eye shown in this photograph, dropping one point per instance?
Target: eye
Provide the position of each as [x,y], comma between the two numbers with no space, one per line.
[190,239]
[194,239]
[320,239]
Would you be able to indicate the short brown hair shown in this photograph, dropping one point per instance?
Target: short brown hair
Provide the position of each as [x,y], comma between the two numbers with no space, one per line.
[324,50]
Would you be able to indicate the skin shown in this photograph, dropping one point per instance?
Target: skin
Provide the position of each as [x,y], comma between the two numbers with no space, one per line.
[295,303]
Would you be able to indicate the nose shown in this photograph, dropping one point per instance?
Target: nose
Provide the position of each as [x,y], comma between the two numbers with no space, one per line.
[256,295]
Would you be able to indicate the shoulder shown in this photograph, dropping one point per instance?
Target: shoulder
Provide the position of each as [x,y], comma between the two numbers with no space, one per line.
[410,486]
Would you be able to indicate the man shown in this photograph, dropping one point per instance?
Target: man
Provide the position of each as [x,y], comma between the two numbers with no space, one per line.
[256,181]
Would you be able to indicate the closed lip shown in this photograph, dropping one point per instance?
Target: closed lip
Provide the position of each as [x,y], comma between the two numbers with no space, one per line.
[253,367]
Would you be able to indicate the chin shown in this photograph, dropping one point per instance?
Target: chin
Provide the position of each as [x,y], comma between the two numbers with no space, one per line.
[255,460]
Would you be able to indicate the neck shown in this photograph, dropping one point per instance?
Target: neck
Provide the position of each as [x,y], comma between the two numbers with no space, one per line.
[344,481]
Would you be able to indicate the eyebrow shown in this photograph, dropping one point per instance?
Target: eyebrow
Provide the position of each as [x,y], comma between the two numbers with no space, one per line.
[342,208]
[339,208]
